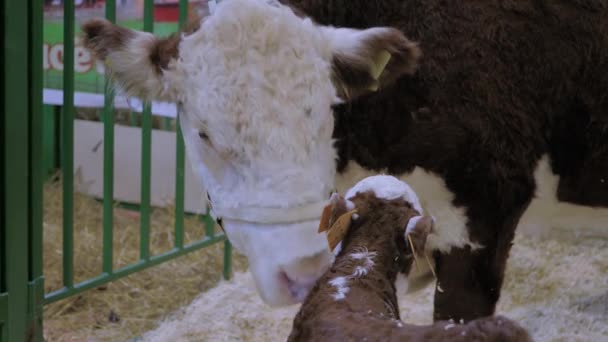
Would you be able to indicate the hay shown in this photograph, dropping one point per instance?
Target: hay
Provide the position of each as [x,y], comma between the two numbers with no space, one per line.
[558,290]
[130,306]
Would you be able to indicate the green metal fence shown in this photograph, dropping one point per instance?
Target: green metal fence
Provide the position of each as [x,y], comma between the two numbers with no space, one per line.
[24,162]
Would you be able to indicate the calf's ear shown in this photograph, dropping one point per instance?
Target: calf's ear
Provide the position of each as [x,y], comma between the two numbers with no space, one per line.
[417,230]
[365,61]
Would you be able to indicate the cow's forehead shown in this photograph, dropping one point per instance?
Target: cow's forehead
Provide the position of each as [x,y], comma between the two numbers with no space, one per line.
[256,71]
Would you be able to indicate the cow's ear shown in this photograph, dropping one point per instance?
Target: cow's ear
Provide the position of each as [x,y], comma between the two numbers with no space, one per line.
[364,61]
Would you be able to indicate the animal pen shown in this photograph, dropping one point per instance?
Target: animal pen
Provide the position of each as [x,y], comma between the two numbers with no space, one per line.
[39,136]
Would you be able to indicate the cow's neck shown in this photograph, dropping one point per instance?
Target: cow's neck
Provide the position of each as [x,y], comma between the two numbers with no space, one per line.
[394,133]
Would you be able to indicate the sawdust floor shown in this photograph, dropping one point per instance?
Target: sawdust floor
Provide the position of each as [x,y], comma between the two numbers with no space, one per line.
[557,290]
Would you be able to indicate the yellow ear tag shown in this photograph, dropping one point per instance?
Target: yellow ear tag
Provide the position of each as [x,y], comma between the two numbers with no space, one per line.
[374,87]
[338,230]
[380,64]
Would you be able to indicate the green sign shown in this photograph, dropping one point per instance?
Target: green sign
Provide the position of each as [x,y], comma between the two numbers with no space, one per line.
[89,75]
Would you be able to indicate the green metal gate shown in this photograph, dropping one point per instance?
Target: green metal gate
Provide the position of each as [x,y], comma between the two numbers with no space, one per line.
[22,294]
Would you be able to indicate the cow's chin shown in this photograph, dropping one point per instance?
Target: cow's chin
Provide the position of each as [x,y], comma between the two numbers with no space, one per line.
[285,260]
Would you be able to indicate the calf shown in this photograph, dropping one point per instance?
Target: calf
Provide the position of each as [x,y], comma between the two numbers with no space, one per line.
[355,299]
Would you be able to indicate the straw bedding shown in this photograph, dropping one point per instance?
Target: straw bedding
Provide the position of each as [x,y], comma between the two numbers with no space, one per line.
[558,290]
[130,306]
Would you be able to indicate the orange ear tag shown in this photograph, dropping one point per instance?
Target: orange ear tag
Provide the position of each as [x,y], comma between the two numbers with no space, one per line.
[338,230]
[324,224]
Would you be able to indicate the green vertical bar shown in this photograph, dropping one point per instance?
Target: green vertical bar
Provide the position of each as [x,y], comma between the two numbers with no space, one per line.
[146,165]
[227,259]
[3,316]
[209,223]
[4,34]
[37,172]
[179,157]
[36,163]
[146,155]
[49,137]
[57,110]
[132,119]
[15,145]
[108,162]
[68,143]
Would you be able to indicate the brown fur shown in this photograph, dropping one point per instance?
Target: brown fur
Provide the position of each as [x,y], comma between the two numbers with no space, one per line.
[352,73]
[502,82]
[101,36]
[370,310]
[166,49]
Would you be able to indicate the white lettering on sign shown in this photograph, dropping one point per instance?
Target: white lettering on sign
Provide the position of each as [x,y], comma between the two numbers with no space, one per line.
[83,61]
[52,58]
[56,57]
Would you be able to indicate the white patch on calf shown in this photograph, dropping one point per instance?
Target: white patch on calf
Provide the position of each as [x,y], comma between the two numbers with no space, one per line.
[449,326]
[350,206]
[411,224]
[361,255]
[341,285]
[360,271]
[387,187]
[368,262]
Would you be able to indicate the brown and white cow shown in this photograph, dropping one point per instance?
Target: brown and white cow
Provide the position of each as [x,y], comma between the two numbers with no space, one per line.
[509,100]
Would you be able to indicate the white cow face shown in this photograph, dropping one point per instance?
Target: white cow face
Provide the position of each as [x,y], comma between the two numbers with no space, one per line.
[255,84]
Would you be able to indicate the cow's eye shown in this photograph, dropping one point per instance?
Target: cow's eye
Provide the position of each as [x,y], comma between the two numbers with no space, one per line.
[203,135]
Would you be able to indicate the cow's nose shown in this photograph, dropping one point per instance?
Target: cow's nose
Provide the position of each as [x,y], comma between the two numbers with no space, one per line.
[299,288]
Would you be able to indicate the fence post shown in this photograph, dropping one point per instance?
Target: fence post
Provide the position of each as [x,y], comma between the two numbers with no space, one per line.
[15,212]
[37,173]
[227,259]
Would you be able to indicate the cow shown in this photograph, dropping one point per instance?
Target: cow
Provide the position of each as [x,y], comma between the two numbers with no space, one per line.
[481,106]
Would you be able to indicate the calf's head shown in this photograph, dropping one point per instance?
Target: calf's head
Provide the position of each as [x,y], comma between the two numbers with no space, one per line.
[255,84]
[379,213]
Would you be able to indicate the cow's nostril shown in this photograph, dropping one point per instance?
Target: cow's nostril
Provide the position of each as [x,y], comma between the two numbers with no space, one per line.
[286,278]
[298,289]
